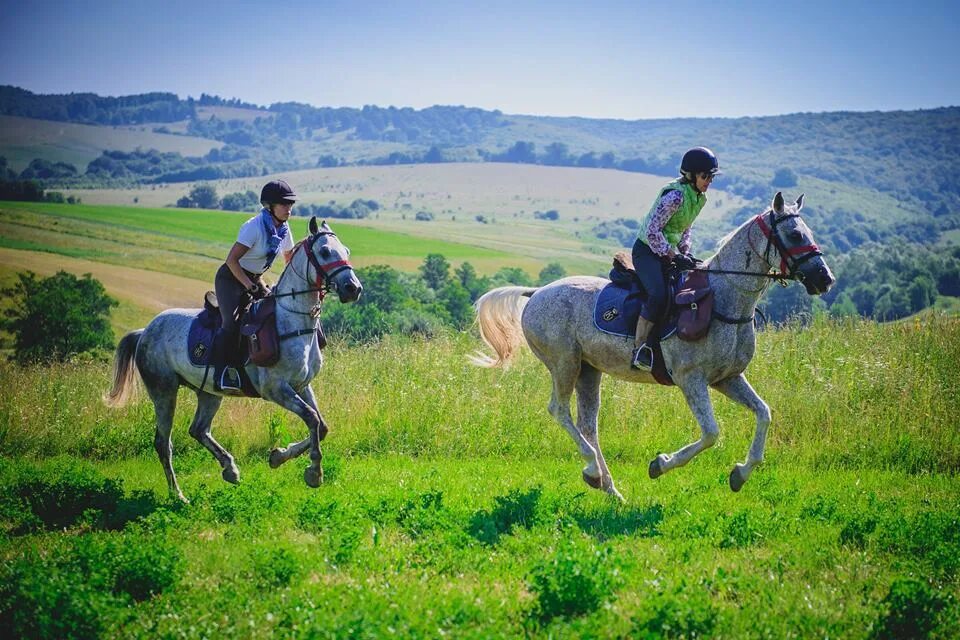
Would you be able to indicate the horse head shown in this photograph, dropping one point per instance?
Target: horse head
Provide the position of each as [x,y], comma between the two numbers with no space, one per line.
[329,257]
[789,235]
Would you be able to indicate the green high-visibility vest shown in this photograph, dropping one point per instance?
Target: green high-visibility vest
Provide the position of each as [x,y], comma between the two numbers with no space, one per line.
[680,221]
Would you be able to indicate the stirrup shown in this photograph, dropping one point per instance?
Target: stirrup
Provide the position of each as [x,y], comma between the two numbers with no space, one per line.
[230,381]
[642,358]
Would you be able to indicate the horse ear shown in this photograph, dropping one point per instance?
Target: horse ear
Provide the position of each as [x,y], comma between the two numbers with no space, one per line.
[778,203]
[325,226]
[800,202]
[313,226]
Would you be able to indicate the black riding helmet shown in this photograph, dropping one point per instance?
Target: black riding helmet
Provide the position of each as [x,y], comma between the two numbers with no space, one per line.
[277,192]
[700,160]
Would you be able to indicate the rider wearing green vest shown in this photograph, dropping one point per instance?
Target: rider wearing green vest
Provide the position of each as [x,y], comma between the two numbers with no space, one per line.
[664,240]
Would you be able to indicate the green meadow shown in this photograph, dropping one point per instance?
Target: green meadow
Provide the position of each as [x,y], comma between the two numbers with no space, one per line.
[453,506]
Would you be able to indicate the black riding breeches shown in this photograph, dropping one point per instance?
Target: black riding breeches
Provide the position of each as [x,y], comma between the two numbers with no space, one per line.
[650,269]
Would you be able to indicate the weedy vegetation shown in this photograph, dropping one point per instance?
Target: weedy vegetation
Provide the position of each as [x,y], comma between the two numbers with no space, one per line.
[453,506]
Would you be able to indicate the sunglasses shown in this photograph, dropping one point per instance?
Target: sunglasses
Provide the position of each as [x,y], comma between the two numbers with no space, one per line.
[708,177]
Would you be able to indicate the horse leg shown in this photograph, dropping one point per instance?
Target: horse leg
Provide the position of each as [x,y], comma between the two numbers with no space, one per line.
[588,409]
[565,373]
[698,398]
[291,451]
[304,405]
[295,449]
[165,404]
[740,391]
[207,406]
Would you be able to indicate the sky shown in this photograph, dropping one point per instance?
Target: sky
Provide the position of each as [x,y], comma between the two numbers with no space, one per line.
[625,60]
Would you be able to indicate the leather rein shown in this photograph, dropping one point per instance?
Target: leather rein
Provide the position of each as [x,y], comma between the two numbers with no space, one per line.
[789,262]
[325,274]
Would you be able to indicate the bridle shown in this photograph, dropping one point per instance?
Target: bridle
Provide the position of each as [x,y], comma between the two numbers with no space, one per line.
[790,257]
[326,272]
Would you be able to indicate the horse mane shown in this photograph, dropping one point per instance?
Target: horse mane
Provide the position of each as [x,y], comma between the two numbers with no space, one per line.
[725,239]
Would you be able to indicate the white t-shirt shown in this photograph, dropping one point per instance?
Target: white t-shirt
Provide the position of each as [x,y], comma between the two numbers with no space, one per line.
[253,235]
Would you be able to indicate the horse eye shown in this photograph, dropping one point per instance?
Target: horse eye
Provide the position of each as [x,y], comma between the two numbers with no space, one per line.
[795,235]
[325,252]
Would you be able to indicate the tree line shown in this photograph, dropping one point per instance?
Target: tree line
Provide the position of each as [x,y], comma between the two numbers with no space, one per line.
[56,318]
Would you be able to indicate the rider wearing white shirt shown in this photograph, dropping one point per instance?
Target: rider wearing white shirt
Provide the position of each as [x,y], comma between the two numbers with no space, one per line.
[260,240]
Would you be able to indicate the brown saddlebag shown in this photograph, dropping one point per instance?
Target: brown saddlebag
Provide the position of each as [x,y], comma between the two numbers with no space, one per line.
[695,311]
[261,332]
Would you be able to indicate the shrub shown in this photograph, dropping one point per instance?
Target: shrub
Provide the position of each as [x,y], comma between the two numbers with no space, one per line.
[274,567]
[39,600]
[57,317]
[912,610]
[514,509]
[59,493]
[245,503]
[576,580]
[144,567]
[683,613]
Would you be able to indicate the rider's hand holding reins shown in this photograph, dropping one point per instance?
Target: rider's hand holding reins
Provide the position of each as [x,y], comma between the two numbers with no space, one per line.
[258,291]
[683,262]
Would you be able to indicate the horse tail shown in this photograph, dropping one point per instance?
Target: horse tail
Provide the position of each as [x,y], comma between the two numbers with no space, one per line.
[124,371]
[498,315]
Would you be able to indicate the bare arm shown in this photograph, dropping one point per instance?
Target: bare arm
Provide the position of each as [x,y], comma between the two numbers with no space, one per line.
[237,251]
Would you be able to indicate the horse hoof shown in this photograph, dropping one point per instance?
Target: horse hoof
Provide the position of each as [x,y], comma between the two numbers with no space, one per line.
[736,479]
[313,477]
[276,458]
[656,468]
[596,483]
[231,475]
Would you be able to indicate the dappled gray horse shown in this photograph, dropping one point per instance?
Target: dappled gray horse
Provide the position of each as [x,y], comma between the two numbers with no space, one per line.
[319,263]
[557,322]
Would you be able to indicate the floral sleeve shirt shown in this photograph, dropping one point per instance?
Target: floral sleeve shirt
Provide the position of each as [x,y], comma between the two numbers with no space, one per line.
[667,206]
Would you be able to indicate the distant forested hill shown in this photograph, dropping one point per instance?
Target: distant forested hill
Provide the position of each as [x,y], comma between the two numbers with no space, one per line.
[881,194]
[876,176]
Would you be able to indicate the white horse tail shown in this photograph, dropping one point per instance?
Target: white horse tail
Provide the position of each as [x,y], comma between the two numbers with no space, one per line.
[124,371]
[498,314]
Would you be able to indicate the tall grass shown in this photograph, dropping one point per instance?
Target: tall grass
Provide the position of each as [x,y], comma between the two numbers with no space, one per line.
[853,394]
[453,507]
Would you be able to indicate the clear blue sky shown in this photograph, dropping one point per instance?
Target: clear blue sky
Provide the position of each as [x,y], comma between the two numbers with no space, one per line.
[627,60]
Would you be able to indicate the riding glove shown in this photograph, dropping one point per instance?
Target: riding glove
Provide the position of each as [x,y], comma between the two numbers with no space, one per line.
[684,262]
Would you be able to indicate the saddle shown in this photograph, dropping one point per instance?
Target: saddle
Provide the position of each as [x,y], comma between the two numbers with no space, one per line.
[259,339]
[687,314]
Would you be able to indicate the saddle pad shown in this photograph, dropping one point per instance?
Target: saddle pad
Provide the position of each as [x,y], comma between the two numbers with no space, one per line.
[200,338]
[617,309]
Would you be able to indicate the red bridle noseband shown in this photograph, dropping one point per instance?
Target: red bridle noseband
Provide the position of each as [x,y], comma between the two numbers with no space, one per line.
[789,262]
[325,272]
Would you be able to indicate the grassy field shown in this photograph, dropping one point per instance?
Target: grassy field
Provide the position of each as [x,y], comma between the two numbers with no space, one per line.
[23,139]
[451,509]
[506,195]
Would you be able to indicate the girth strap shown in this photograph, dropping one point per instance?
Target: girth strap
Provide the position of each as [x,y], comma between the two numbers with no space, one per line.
[295,334]
[725,319]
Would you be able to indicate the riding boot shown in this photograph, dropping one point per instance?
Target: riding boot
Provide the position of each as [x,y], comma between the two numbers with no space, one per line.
[642,353]
[226,373]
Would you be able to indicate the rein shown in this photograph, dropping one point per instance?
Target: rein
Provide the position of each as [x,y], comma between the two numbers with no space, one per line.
[324,276]
[788,269]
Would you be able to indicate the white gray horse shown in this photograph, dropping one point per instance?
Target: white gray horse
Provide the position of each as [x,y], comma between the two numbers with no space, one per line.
[557,322]
[319,263]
